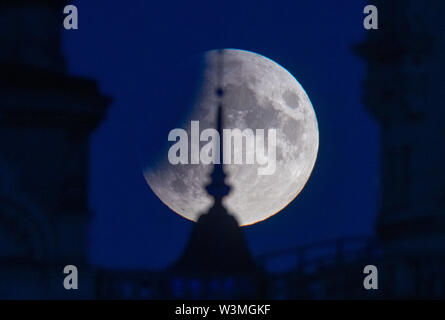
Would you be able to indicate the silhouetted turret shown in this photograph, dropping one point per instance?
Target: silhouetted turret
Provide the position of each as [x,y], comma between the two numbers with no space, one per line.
[217,244]
[47,116]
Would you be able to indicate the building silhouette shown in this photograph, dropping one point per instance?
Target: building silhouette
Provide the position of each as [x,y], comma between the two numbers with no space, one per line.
[403,89]
[217,249]
[217,244]
[47,117]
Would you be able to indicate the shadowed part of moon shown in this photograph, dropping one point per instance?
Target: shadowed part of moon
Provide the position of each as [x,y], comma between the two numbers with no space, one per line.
[258,94]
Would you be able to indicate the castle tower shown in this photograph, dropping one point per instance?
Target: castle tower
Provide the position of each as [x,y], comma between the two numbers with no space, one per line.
[404,90]
[46,118]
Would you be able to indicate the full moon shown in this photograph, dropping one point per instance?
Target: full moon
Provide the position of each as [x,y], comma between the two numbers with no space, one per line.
[258,94]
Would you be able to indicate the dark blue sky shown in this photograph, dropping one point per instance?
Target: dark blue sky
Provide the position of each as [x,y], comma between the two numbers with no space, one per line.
[132,51]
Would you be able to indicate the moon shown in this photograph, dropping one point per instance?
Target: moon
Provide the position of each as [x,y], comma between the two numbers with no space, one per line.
[258,94]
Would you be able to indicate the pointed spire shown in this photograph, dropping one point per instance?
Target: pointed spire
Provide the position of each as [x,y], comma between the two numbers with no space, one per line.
[217,244]
[217,187]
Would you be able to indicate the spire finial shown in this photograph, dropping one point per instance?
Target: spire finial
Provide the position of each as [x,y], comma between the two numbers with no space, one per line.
[217,187]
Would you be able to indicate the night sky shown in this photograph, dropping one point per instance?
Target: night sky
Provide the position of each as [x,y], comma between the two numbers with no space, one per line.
[133,51]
